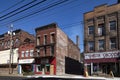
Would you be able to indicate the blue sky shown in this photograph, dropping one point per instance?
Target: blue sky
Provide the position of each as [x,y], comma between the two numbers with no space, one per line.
[68,16]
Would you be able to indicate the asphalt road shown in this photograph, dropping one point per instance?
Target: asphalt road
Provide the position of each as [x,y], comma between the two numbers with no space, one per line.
[40,78]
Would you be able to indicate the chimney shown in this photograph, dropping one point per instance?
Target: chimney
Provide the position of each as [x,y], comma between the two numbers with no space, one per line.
[118,1]
[77,41]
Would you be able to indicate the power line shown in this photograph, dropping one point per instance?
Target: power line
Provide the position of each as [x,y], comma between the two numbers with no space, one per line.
[18,8]
[42,9]
[23,10]
[12,6]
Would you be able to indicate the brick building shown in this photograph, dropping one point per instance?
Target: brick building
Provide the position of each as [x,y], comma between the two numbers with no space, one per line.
[26,60]
[102,39]
[52,48]
[17,40]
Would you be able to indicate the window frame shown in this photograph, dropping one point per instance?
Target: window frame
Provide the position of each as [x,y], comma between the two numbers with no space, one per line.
[101,46]
[89,45]
[91,31]
[112,25]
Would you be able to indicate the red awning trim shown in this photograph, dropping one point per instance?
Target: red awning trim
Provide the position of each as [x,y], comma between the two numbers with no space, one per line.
[101,60]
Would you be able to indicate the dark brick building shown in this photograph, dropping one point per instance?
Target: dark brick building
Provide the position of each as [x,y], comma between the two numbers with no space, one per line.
[52,46]
[102,39]
[17,39]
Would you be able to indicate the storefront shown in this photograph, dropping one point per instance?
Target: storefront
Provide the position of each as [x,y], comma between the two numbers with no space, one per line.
[45,66]
[26,66]
[102,62]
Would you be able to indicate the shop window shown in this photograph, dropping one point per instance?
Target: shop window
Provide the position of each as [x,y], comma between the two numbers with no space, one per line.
[52,38]
[38,68]
[45,39]
[101,30]
[91,45]
[31,53]
[112,43]
[90,30]
[101,44]
[47,68]
[112,25]
[26,54]
[38,40]
[22,55]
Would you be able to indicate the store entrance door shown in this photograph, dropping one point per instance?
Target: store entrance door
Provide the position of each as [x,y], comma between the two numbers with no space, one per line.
[105,68]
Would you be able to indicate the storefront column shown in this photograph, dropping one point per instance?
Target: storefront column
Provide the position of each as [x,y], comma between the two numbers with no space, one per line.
[91,68]
[19,69]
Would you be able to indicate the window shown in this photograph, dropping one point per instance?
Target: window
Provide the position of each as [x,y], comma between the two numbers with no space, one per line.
[112,43]
[31,53]
[112,25]
[101,44]
[22,55]
[91,45]
[90,30]
[101,29]
[38,40]
[47,68]
[17,42]
[52,50]
[38,68]
[8,44]
[2,44]
[52,38]
[26,54]
[45,39]
[45,51]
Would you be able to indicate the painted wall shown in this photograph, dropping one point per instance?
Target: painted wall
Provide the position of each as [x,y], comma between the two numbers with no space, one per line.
[5,56]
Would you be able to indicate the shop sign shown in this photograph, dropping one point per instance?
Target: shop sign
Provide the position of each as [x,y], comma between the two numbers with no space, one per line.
[112,54]
[26,61]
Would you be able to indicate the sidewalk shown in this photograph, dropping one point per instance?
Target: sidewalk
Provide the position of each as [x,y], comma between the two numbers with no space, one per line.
[116,78]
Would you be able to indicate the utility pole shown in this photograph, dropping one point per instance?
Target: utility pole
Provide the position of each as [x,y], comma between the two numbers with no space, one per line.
[11,49]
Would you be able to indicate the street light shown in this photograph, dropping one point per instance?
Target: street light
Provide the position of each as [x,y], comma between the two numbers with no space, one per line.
[11,49]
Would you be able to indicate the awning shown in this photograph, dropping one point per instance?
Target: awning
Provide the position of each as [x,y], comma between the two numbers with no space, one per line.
[104,60]
[26,61]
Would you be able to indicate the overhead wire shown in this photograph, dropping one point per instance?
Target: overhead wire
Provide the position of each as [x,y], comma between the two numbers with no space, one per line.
[18,8]
[42,9]
[12,6]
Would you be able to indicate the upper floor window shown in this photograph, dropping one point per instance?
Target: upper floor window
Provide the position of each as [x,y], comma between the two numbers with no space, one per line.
[8,43]
[101,44]
[101,30]
[17,42]
[112,25]
[52,37]
[2,44]
[27,54]
[38,40]
[90,30]
[45,39]
[52,50]
[31,53]
[22,54]
[91,45]
[112,43]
